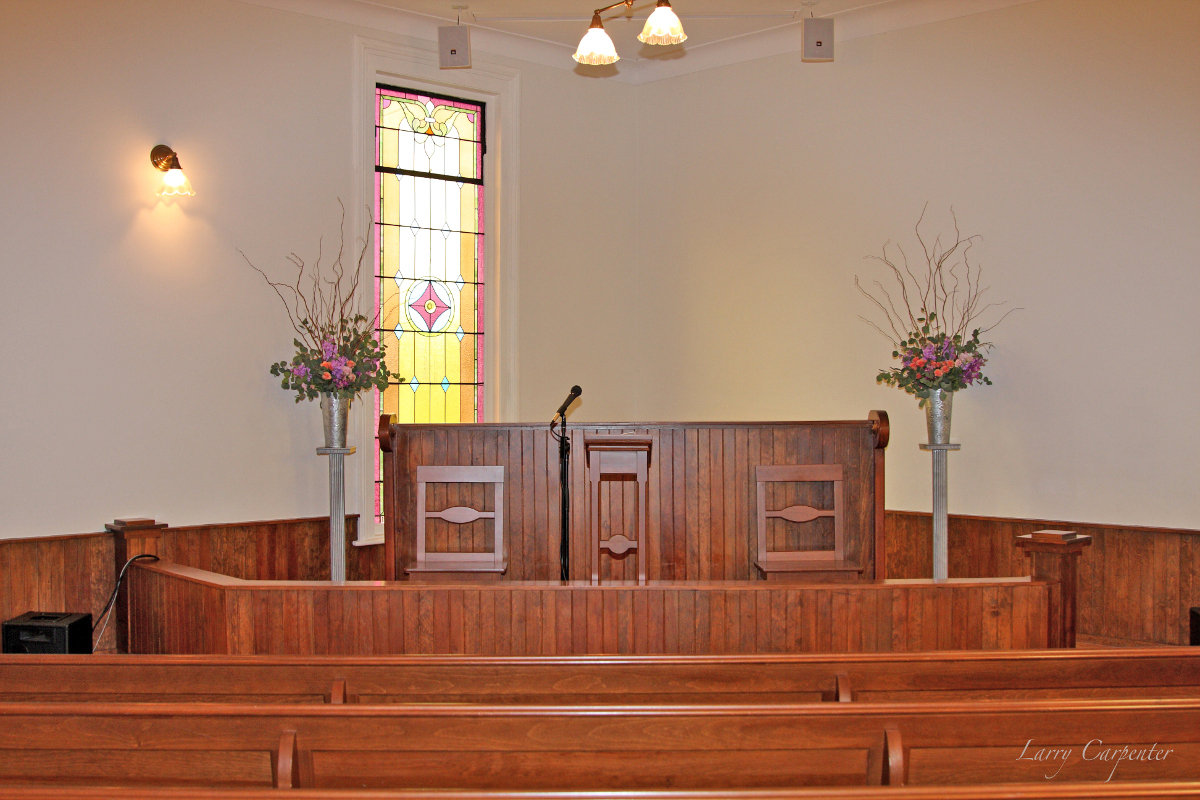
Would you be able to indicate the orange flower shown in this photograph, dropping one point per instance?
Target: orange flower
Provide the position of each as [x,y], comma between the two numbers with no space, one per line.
[326,375]
[326,364]
[936,372]
[349,363]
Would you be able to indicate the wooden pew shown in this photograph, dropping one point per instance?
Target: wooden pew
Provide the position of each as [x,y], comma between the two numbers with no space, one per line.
[629,680]
[1166,790]
[585,748]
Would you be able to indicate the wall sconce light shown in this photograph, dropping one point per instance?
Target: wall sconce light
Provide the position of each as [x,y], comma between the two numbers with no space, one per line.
[663,27]
[174,181]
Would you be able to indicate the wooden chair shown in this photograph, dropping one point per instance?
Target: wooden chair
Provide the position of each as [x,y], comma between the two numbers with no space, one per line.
[803,564]
[459,566]
[617,458]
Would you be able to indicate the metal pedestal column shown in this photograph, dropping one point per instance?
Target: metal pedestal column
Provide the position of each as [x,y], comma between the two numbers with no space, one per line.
[941,559]
[337,509]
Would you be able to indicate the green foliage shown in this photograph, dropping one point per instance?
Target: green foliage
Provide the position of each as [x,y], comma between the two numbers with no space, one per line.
[347,360]
[938,361]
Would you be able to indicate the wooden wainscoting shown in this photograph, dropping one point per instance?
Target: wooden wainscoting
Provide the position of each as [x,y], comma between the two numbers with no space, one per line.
[1135,584]
[76,573]
[58,573]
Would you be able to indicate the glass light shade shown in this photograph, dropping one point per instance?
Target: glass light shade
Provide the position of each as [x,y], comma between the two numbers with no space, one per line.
[596,47]
[663,26]
[175,183]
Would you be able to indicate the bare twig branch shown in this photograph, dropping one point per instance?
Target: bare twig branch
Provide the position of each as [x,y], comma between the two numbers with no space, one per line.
[947,296]
[321,301]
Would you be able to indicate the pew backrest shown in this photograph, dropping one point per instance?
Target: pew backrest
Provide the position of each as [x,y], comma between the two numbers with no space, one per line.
[614,748]
[1153,672]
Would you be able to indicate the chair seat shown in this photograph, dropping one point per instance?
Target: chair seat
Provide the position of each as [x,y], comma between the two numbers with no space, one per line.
[808,565]
[452,570]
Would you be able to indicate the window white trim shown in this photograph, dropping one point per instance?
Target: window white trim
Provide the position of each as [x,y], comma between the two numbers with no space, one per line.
[416,66]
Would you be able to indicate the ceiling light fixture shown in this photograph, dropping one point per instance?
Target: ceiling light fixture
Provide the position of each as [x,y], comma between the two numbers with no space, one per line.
[663,27]
[174,182]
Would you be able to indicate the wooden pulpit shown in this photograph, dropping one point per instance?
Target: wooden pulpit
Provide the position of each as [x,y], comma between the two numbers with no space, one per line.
[1054,556]
[617,458]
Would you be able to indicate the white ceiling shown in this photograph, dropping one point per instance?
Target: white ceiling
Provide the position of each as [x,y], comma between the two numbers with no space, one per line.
[563,22]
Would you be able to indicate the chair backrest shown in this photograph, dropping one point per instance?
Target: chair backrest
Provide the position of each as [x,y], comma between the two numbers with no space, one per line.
[800,473]
[460,515]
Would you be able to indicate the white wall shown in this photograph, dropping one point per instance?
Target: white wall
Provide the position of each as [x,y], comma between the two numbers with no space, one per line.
[1067,141]
[687,249]
[137,340]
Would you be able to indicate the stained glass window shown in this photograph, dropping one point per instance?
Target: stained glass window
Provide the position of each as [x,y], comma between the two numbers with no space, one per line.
[429,262]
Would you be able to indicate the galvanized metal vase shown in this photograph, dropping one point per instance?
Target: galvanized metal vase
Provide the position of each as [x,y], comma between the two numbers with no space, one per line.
[334,412]
[938,406]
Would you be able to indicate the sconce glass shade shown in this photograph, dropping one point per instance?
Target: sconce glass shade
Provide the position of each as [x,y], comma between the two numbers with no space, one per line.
[174,181]
[663,26]
[596,47]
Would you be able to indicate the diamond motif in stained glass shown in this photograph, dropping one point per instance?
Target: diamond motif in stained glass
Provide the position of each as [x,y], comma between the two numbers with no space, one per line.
[445,231]
[414,227]
[414,383]
[445,384]
[460,283]
[399,331]
[460,333]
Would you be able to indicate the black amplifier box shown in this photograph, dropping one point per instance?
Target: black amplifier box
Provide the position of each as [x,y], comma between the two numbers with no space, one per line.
[46,632]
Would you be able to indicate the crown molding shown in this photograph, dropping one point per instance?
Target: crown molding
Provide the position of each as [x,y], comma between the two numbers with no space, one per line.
[859,23]
[868,20]
[377,18]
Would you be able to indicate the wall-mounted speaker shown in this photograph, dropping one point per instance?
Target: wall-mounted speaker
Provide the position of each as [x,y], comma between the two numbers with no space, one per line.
[454,47]
[818,39]
[43,632]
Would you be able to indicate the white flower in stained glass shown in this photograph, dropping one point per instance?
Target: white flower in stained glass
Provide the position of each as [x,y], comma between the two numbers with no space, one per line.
[445,384]
[414,383]
[460,333]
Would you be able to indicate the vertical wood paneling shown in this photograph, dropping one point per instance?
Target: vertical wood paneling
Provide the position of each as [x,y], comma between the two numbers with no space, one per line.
[701,514]
[1135,584]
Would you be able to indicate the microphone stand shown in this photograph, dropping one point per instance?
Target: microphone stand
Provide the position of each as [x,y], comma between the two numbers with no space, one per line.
[564,480]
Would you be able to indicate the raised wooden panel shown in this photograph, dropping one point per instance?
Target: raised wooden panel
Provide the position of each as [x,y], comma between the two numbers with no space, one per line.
[182,610]
[701,506]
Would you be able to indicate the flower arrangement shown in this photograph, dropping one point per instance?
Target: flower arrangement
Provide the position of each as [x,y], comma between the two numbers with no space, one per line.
[337,351]
[931,320]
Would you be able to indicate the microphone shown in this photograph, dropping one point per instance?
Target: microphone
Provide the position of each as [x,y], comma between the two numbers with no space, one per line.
[575,392]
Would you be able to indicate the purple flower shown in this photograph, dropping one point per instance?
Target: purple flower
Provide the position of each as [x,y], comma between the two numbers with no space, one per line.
[300,371]
[328,348]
